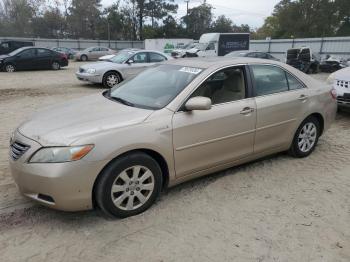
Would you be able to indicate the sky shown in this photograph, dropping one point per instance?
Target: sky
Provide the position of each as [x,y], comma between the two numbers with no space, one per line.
[251,12]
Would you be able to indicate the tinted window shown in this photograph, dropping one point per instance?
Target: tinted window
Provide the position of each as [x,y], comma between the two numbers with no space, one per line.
[43,52]
[95,49]
[224,86]
[103,49]
[260,55]
[154,57]
[251,55]
[140,58]
[27,53]
[269,79]
[293,82]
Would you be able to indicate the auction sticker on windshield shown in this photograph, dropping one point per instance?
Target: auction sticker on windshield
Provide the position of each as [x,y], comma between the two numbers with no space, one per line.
[191,70]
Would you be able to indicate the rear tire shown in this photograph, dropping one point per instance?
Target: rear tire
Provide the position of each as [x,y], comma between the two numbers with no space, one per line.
[10,68]
[55,65]
[84,58]
[129,185]
[111,79]
[305,138]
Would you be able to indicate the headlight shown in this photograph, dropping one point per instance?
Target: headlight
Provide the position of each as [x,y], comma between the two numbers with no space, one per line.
[60,154]
[91,71]
[331,79]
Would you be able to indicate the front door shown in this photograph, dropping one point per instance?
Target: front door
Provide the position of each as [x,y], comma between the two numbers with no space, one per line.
[139,62]
[26,59]
[223,134]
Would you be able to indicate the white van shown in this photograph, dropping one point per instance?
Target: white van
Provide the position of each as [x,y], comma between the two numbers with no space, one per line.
[219,44]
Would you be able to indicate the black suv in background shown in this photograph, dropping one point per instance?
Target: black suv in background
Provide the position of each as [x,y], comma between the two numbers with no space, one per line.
[7,47]
[32,58]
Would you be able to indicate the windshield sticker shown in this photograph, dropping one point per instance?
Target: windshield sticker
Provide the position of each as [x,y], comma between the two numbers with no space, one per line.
[191,70]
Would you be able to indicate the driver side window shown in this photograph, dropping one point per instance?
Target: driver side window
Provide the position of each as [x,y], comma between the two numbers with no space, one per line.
[140,58]
[224,86]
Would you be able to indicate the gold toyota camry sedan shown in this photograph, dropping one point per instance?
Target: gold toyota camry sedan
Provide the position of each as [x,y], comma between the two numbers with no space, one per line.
[171,123]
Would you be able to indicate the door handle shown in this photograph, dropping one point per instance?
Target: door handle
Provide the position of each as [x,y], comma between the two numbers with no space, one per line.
[303,97]
[246,111]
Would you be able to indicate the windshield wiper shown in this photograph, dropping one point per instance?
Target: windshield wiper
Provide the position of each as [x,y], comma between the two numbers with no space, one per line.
[121,100]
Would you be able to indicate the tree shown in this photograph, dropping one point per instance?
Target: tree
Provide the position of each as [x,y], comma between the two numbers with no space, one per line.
[198,20]
[222,25]
[84,17]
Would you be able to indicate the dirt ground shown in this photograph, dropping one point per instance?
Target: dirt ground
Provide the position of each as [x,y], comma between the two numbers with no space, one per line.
[275,209]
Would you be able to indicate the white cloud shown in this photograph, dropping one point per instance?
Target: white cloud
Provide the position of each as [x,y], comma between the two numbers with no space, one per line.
[251,12]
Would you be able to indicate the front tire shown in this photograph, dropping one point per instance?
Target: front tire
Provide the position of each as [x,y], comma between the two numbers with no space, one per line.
[305,138]
[129,185]
[10,68]
[111,79]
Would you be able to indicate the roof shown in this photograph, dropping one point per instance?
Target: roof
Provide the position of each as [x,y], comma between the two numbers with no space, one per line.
[207,62]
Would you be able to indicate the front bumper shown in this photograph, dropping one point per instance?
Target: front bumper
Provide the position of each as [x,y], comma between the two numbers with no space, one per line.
[343,101]
[63,186]
[93,78]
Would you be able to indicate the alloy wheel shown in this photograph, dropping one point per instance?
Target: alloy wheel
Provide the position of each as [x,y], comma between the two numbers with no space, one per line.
[132,188]
[10,68]
[307,137]
[55,66]
[112,80]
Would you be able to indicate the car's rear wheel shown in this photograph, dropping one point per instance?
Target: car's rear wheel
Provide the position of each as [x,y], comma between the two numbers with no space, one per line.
[10,68]
[129,185]
[111,79]
[55,65]
[84,58]
[306,138]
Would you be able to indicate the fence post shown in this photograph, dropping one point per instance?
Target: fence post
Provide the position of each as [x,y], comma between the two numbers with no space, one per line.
[269,50]
[78,44]
[293,42]
[321,47]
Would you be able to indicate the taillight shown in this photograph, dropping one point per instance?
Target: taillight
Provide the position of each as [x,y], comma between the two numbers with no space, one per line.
[333,93]
[64,56]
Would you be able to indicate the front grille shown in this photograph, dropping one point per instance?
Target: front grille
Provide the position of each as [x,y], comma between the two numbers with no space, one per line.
[343,99]
[81,70]
[18,149]
[345,84]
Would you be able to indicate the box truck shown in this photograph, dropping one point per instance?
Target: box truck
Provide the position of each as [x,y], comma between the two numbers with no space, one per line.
[219,44]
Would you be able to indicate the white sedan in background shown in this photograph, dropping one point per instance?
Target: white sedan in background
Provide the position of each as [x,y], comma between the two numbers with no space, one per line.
[126,64]
[341,83]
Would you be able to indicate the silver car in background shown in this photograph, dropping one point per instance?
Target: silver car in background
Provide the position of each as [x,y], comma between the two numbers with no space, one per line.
[124,65]
[93,53]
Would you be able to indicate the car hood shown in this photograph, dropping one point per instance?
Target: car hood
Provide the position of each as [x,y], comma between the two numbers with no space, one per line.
[343,74]
[66,123]
[102,65]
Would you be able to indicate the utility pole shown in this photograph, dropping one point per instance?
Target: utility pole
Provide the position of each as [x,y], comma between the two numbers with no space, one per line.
[187,1]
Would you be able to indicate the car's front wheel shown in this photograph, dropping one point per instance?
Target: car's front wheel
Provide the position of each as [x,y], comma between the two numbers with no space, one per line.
[129,185]
[10,68]
[306,138]
[111,79]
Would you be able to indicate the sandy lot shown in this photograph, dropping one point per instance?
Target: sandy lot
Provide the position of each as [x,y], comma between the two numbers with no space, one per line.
[275,209]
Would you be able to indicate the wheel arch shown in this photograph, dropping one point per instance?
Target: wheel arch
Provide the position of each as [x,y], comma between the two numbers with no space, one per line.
[152,153]
[114,71]
[320,119]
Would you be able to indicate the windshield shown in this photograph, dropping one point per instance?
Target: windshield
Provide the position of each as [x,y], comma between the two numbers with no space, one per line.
[121,57]
[17,51]
[155,87]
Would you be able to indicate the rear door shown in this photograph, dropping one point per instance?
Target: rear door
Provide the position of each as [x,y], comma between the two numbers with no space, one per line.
[43,58]
[221,135]
[281,101]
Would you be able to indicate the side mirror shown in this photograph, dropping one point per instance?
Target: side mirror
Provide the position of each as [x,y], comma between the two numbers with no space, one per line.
[198,103]
[130,61]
